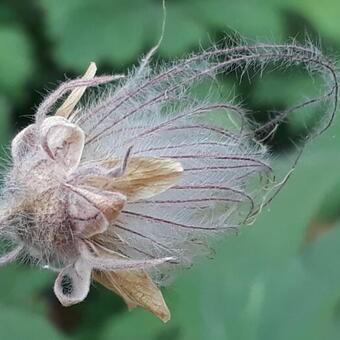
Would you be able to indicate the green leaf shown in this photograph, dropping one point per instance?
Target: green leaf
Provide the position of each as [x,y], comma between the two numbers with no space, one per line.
[17,324]
[102,31]
[182,31]
[16,62]
[119,31]
[5,124]
[323,15]
[287,88]
[145,327]
[253,19]
[24,286]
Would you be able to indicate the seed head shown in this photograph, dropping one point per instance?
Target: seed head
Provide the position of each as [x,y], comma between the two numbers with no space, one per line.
[130,186]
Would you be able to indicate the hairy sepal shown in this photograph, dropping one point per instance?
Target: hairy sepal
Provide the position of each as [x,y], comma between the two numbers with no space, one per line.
[73,283]
[62,141]
[105,260]
[91,211]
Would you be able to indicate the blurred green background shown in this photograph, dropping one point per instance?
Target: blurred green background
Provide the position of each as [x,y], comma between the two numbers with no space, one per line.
[278,279]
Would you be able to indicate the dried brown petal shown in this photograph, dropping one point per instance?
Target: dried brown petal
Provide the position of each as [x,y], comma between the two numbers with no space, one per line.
[66,109]
[137,289]
[143,178]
